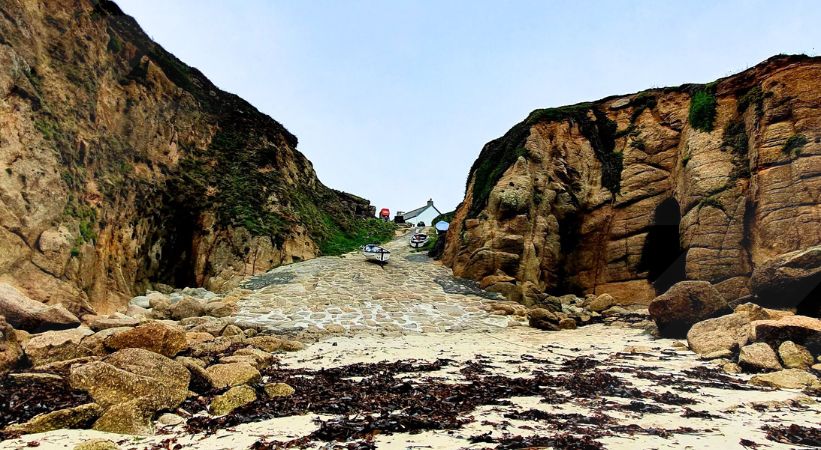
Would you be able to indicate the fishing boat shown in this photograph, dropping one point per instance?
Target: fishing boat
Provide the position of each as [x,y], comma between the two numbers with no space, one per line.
[418,240]
[373,252]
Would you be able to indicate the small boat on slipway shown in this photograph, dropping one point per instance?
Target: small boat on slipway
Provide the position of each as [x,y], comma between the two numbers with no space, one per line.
[418,240]
[373,252]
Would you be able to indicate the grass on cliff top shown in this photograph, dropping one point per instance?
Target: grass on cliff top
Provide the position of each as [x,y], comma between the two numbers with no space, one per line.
[703,109]
[362,231]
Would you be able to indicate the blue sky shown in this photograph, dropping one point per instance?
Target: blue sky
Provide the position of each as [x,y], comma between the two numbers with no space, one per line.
[393,100]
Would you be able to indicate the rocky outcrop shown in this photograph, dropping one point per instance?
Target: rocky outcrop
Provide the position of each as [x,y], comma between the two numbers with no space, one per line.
[630,194]
[684,304]
[122,167]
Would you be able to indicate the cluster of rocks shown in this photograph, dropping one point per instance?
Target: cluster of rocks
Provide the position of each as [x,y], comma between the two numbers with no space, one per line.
[134,365]
[781,347]
[569,311]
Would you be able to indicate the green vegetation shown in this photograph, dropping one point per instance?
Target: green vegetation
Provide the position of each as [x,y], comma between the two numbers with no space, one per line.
[711,201]
[754,96]
[794,144]
[685,160]
[48,127]
[114,44]
[432,239]
[447,217]
[174,69]
[363,231]
[735,137]
[703,108]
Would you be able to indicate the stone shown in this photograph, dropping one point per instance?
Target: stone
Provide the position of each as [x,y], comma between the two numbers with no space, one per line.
[232,399]
[788,280]
[273,390]
[131,417]
[684,304]
[77,417]
[758,356]
[567,324]
[292,346]
[207,324]
[158,337]
[24,313]
[219,309]
[34,377]
[601,303]
[10,350]
[170,420]
[794,356]
[137,312]
[728,333]
[201,381]
[232,330]
[187,307]
[266,343]
[731,367]
[543,319]
[718,354]
[786,379]
[232,374]
[263,357]
[97,444]
[53,346]
[140,301]
[133,373]
[802,330]
[215,346]
[198,337]
[758,312]
[104,323]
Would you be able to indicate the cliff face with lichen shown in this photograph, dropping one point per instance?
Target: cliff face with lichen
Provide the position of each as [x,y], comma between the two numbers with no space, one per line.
[630,194]
[120,166]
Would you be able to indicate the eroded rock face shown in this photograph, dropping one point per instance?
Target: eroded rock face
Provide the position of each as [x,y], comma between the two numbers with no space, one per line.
[624,196]
[10,350]
[122,165]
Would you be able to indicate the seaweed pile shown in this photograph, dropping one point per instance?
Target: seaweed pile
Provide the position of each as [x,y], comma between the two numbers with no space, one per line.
[385,398]
[20,400]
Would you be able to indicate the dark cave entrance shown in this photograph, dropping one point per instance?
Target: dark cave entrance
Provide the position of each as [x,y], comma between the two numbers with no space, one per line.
[177,261]
[662,256]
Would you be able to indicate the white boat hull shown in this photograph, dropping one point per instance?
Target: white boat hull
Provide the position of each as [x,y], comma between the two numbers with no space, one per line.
[376,253]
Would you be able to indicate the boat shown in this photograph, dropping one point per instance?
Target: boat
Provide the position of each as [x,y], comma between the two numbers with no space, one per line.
[373,252]
[418,240]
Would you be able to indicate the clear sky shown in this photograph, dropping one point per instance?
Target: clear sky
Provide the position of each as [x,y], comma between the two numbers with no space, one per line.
[393,99]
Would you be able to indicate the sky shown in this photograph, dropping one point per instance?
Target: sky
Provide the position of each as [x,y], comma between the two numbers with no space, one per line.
[393,100]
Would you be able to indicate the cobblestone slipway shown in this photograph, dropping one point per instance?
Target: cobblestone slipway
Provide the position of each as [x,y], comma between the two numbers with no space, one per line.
[410,294]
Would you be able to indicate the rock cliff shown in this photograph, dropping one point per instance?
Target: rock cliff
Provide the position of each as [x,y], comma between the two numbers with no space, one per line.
[631,194]
[120,166]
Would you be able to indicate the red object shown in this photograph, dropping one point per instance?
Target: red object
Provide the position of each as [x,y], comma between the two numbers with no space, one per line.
[385,213]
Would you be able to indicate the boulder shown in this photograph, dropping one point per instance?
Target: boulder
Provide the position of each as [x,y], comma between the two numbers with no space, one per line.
[187,307]
[263,358]
[232,399]
[201,381]
[567,324]
[786,379]
[802,330]
[232,330]
[77,417]
[140,301]
[794,356]
[197,337]
[233,374]
[96,342]
[30,315]
[684,304]
[219,309]
[207,324]
[104,323]
[53,346]
[10,350]
[543,319]
[266,343]
[130,417]
[758,312]
[601,303]
[758,356]
[729,332]
[133,373]
[292,346]
[97,444]
[273,390]
[215,346]
[788,279]
[137,312]
[158,337]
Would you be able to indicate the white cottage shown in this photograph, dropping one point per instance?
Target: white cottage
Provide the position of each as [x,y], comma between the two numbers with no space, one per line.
[425,214]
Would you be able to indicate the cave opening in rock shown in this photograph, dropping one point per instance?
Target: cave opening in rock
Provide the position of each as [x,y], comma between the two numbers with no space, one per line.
[662,256]
[177,261]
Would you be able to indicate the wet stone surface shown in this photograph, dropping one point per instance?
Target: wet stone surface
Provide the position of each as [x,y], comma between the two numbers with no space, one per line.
[347,294]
